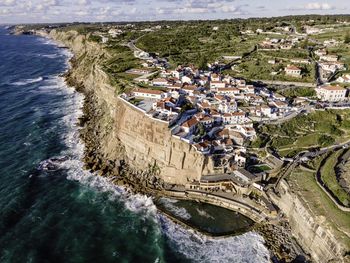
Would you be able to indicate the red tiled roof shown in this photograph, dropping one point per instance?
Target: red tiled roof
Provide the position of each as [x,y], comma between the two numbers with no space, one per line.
[292,68]
[238,113]
[191,122]
[149,91]
[160,80]
[329,87]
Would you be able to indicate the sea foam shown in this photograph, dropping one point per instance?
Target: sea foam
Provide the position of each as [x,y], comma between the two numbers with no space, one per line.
[196,247]
[27,81]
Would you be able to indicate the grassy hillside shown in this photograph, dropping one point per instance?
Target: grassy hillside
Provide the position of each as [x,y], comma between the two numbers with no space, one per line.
[318,129]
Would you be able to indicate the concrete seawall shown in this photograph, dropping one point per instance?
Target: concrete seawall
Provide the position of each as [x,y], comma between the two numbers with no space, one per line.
[244,209]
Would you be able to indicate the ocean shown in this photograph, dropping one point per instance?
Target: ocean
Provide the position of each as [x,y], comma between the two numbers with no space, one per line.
[54,211]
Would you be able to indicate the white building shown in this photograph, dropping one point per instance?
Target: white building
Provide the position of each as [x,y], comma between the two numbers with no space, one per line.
[186,79]
[293,71]
[214,85]
[228,91]
[160,82]
[321,52]
[177,74]
[331,93]
[344,79]
[148,93]
[329,58]
[215,77]
[332,66]
[234,118]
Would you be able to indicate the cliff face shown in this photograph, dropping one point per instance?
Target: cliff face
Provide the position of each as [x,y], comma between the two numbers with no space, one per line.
[311,231]
[147,141]
[118,133]
[123,132]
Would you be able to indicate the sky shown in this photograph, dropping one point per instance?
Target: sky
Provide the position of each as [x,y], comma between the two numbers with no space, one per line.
[43,11]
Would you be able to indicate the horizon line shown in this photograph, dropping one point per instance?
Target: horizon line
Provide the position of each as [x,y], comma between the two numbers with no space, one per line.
[170,20]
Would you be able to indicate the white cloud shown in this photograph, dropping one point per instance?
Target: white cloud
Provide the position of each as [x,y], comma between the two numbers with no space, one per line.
[81,13]
[313,6]
[318,6]
[200,7]
[84,2]
[115,10]
[7,2]
[4,11]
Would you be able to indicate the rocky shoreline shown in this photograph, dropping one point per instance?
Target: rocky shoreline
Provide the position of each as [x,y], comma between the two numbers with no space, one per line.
[98,158]
[278,238]
[118,171]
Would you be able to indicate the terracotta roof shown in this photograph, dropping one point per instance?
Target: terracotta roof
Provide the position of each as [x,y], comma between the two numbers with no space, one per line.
[191,122]
[201,145]
[329,87]
[160,80]
[228,141]
[236,134]
[228,89]
[224,132]
[280,103]
[292,68]
[248,128]
[219,97]
[238,113]
[215,113]
[149,91]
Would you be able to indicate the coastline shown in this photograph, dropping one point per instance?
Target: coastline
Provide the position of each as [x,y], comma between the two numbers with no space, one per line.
[96,159]
[143,183]
[136,182]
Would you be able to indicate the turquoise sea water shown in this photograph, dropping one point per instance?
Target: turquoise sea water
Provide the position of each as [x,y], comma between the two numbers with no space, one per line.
[54,211]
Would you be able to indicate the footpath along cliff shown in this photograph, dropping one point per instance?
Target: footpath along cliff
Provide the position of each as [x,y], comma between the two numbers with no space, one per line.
[123,143]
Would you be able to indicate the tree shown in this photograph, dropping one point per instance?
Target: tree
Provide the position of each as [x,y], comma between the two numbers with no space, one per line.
[203,62]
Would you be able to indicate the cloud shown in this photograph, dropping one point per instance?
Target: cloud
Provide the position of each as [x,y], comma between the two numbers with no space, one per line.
[314,6]
[318,6]
[183,7]
[7,2]
[122,10]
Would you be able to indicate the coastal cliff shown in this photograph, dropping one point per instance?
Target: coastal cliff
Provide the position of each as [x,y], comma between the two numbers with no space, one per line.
[124,137]
[124,143]
[310,230]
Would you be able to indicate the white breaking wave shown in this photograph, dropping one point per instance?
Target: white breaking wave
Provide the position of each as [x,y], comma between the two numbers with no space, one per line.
[27,81]
[203,213]
[247,248]
[49,55]
[180,212]
[47,41]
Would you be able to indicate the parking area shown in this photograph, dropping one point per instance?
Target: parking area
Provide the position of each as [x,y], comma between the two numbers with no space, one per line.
[146,104]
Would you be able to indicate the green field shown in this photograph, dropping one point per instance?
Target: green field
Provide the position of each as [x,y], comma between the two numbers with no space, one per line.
[256,66]
[197,43]
[317,129]
[298,92]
